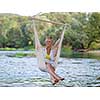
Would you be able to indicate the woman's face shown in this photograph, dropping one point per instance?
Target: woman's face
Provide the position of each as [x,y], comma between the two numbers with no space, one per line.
[48,42]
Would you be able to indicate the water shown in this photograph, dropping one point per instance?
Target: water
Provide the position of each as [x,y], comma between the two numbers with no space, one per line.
[23,72]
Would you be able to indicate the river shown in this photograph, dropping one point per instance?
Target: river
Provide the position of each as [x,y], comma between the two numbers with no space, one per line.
[23,72]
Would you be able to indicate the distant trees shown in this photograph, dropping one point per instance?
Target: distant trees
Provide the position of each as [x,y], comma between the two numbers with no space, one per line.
[13,31]
[83,31]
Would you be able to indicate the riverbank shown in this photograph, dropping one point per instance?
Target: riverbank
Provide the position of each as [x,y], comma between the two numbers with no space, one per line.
[14,49]
[97,52]
[65,52]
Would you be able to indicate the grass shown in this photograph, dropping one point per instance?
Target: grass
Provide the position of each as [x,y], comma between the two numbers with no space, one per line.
[13,49]
[21,55]
[29,48]
[7,49]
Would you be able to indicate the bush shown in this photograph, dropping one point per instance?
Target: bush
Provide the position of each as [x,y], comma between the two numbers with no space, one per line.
[66,51]
[95,46]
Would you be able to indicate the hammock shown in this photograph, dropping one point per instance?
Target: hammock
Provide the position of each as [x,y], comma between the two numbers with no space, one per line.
[39,49]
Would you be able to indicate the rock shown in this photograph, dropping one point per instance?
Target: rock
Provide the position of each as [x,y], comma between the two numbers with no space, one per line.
[98,78]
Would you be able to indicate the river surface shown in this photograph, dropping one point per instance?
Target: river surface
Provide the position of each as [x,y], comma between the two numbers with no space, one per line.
[23,72]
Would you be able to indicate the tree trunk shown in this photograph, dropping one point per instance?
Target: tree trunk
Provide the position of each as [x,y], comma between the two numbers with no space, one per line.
[82,46]
[89,43]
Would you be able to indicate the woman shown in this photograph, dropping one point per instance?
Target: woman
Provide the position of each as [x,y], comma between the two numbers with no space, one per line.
[50,60]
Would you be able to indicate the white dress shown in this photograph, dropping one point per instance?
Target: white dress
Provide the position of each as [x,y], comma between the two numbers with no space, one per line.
[52,58]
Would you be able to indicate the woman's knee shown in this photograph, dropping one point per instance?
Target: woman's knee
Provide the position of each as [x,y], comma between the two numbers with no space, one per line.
[53,68]
[50,66]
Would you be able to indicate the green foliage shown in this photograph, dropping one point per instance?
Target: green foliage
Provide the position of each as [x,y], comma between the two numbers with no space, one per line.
[83,31]
[95,45]
[20,55]
[66,51]
[2,41]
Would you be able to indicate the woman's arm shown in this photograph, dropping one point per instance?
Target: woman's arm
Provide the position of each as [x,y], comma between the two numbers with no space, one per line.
[56,43]
[55,47]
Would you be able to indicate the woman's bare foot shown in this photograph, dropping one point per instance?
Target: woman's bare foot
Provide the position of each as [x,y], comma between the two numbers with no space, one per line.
[55,81]
[61,78]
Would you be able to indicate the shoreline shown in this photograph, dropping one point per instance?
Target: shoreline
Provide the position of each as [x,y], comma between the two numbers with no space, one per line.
[94,52]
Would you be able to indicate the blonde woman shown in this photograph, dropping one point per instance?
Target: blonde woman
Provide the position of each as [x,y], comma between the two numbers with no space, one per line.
[49,55]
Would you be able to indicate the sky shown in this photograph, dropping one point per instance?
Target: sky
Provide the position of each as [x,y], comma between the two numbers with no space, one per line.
[32,7]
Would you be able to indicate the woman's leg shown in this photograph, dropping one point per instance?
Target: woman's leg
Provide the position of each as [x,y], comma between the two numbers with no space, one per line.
[51,70]
[53,79]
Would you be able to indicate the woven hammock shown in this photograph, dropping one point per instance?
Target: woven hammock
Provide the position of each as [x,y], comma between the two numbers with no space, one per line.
[39,49]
